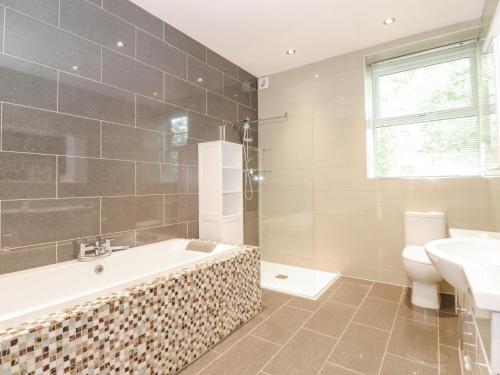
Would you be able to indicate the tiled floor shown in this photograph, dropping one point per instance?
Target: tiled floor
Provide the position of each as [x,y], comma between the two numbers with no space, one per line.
[356,327]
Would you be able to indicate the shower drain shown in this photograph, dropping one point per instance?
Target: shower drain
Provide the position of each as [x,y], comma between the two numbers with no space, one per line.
[281,276]
[99,269]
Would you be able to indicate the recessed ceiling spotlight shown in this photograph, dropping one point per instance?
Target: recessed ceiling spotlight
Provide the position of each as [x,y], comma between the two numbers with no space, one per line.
[74,67]
[389,21]
[119,43]
[290,51]
[200,79]
[316,76]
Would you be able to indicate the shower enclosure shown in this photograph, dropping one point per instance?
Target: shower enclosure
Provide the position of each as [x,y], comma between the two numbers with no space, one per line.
[278,180]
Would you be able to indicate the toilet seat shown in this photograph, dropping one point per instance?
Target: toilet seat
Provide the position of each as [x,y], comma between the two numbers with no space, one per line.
[416,254]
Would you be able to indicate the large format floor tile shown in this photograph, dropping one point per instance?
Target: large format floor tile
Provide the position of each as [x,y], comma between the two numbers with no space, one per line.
[449,364]
[356,328]
[396,365]
[272,301]
[280,327]
[414,340]
[237,335]
[331,319]
[195,367]
[331,369]
[409,311]
[377,313]
[386,292]
[245,358]
[304,354]
[349,294]
[448,330]
[361,348]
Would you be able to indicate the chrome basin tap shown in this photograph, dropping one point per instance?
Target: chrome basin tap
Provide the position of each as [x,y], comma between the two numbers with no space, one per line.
[90,252]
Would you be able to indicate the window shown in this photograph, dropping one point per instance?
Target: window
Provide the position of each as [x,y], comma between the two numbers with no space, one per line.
[426,115]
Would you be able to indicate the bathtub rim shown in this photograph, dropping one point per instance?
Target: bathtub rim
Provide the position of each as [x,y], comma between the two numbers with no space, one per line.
[91,300]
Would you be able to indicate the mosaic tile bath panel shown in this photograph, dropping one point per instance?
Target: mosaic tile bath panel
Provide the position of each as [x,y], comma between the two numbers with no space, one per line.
[157,327]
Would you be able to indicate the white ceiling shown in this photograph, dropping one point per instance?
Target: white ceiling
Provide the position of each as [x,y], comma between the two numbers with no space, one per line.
[256,33]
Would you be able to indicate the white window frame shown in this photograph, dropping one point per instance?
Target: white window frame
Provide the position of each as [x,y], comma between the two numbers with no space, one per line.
[467,49]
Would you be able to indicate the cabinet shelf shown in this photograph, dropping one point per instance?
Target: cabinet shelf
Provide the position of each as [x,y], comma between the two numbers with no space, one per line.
[220,182]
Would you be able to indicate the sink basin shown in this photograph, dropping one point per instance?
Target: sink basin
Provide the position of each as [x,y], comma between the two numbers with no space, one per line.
[473,263]
[470,263]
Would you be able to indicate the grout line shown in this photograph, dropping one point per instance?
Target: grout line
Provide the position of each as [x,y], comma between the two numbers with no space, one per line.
[413,361]
[98,196]
[97,158]
[117,123]
[121,88]
[241,338]
[438,342]
[57,177]
[419,321]
[266,340]
[57,91]
[401,299]
[100,215]
[120,18]
[100,140]
[302,325]
[369,326]
[345,330]
[1,125]
[4,28]
[319,333]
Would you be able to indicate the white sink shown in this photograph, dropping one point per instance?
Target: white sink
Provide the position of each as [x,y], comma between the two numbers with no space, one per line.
[470,263]
[473,264]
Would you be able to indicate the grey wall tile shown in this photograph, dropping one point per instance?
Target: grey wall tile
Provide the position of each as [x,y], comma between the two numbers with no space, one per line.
[125,213]
[33,130]
[160,54]
[204,75]
[155,115]
[192,180]
[203,127]
[184,42]
[83,177]
[254,99]
[245,112]
[167,232]
[219,62]
[45,10]
[153,178]
[69,250]
[135,15]
[181,150]
[29,222]
[221,107]
[185,94]
[2,10]
[247,78]
[90,22]
[86,98]
[96,2]
[180,208]
[27,257]
[128,74]
[25,176]
[48,45]
[193,229]
[127,143]
[22,82]
[236,90]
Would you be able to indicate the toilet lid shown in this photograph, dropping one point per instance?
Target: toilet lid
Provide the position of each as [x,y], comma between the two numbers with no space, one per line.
[416,254]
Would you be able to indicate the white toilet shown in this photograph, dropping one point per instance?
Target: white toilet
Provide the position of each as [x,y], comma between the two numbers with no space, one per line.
[420,228]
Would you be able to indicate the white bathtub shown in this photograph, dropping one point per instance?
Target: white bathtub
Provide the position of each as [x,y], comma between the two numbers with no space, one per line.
[31,294]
